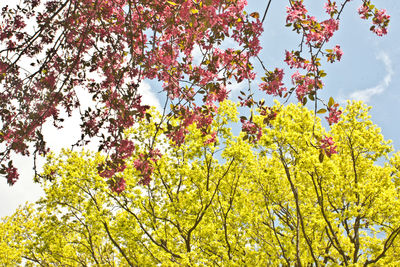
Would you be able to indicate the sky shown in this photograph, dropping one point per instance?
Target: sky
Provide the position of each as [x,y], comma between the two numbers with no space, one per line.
[369,68]
[368,71]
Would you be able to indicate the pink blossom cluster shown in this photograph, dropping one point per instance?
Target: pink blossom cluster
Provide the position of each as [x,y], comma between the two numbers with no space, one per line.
[220,93]
[330,7]
[334,54]
[328,146]
[123,43]
[251,129]
[110,168]
[364,11]
[145,166]
[338,52]
[305,85]
[294,60]
[315,32]
[3,67]
[212,139]
[314,35]
[118,185]
[202,117]
[273,84]
[125,149]
[178,136]
[380,19]
[296,12]
[334,115]
[146,169]
[11,174]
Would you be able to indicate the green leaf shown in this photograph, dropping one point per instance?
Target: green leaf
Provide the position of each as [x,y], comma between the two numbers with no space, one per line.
[321,111]
[331,102]
[321,157]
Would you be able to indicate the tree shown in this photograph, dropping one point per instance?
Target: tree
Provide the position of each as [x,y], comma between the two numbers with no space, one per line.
[109,47]
[293,198]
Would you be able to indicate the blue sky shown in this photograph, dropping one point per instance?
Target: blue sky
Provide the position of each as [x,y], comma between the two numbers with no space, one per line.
[369,70]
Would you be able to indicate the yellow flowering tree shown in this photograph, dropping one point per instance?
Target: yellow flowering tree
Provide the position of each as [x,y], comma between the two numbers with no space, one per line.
[301,195]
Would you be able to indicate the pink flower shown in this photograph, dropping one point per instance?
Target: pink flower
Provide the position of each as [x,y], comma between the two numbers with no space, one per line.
[125,149]
[222,94]
[204,120]
[241,4]
[144,166]
[334,115]
[108,173]
[146,169]
[12,174]
[380,19]
[328,146]
[380,16]
[178,136]
[305,85]
[3,68]
[338,52]
[315,36]
[320,32]
[212,139]
[363,11]
[292,60]
[379,31]
[330,7]
[118,186]
[50,80]
[219,95]
[273,83]
[330,26]
[252,129]
[19,22]
[295,12]
[155,154]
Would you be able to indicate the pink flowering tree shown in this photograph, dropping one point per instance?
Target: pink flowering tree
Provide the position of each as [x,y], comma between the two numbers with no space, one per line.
[109,48]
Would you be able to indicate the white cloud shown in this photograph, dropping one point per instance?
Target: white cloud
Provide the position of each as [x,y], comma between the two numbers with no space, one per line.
[148,97]
[366,94]
[25,189]
[71,131]
[197,54]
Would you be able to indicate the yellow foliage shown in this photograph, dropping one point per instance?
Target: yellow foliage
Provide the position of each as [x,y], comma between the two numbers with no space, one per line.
[228,203]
